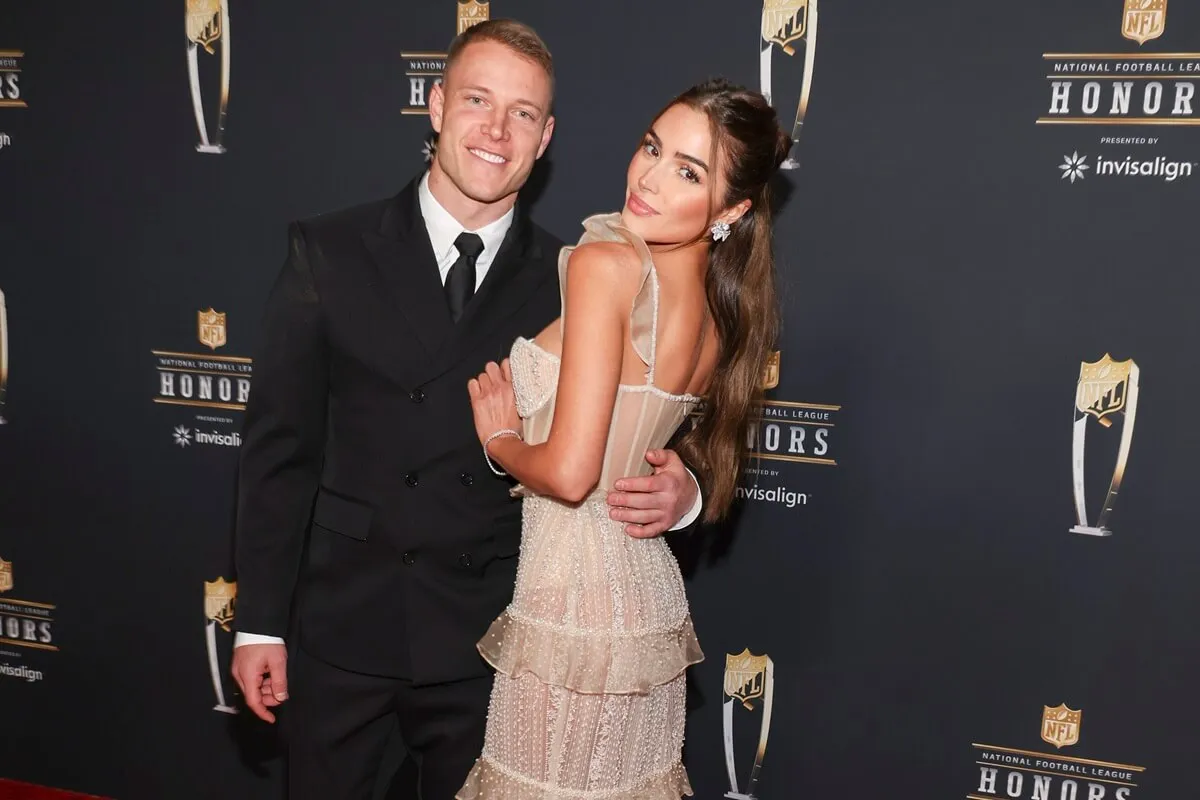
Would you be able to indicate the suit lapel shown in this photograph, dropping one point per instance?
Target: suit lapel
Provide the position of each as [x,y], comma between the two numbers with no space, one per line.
[408,273]
[408,269]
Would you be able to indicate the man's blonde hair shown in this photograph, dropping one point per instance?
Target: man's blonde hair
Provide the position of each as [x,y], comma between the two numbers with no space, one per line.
[516,36]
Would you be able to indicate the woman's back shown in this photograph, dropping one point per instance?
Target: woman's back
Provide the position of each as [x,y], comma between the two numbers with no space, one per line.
[667,362]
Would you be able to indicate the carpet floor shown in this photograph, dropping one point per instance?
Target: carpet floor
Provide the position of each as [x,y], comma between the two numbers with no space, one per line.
[15,790]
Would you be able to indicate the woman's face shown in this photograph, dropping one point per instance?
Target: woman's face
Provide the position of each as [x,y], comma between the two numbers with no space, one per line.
[670,179]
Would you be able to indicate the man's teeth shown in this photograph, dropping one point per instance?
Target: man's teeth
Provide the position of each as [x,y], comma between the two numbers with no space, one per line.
[491,157]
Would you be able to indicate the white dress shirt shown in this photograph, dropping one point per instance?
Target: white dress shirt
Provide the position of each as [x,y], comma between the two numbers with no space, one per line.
[443,229]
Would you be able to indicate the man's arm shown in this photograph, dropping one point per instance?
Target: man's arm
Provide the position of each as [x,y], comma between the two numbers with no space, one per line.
[693,514]
[668,499]
[282,444]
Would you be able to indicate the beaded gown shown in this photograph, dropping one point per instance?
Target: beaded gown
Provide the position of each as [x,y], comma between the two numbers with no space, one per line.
[588,699]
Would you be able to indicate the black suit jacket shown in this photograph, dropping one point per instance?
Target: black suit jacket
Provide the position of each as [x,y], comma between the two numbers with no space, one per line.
[368,521]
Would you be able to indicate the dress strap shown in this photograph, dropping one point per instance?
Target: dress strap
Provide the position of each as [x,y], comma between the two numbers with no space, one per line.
[643,316]
[564,255]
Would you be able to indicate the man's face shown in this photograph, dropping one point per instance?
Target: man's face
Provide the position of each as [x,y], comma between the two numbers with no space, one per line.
[492,115]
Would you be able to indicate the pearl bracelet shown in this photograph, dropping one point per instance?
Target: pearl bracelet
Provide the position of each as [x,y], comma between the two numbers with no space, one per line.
[496,435]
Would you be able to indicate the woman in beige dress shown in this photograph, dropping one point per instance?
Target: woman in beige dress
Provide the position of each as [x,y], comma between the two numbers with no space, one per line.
[666,302]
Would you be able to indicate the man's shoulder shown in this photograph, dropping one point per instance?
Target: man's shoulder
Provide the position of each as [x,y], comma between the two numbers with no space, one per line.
[360,217]
[547,241]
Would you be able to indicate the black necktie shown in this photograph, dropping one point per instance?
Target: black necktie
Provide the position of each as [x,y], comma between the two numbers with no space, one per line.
[460,281]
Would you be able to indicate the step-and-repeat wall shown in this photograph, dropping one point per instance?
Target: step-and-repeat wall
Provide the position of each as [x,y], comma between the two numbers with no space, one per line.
[966,563]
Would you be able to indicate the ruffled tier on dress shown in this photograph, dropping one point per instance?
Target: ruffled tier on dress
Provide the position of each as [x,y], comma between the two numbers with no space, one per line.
[589,661]
[491,781]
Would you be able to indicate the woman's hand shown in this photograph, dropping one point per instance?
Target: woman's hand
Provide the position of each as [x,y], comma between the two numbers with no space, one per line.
[492,401]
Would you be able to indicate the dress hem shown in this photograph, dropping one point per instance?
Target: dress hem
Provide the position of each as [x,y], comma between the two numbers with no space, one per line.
[488,780]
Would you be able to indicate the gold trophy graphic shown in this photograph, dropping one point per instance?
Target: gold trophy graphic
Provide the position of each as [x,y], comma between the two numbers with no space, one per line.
[1106,389]
[785,22]
[747,678]
[207,24]
[219,598]
[3,357]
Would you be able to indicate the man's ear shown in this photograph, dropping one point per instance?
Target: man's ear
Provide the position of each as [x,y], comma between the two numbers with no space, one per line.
[547,133]
[437,106]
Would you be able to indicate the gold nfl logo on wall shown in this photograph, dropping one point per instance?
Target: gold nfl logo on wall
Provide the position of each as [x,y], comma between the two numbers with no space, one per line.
[211,328]
[471,13]
[771,372]
[6,576]
[1144,20]
[784,22]
[1060,725]
[219,597]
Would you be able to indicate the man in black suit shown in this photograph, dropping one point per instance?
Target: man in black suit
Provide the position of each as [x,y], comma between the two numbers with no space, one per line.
[370,531]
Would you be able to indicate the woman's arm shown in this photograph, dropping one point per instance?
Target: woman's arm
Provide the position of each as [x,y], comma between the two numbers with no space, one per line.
[600,285]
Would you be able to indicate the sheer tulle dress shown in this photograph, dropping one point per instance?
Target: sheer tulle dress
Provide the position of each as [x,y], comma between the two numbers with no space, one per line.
[588,700]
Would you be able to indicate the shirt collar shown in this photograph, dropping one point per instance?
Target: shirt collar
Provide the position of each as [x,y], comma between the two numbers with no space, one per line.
[443,228]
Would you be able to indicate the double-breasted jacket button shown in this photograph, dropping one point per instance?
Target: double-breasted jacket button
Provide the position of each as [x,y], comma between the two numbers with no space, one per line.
[416,395]
[465,559]
[409,559]
[411,479]
[467,478]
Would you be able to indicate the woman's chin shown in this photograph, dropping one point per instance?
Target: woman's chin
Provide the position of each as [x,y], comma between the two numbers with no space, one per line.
[636,224]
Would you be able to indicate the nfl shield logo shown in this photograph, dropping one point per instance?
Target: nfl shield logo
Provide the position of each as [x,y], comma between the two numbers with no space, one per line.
[771,373]
[1144,20]
[219,597]
[204,22]
[6,576]
[471,13]
[784,21]
[1060,725]
[1102,388]
[211,328]
[744,675]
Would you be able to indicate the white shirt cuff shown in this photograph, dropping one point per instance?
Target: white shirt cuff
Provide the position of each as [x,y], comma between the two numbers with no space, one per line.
[240,639]
[697,507]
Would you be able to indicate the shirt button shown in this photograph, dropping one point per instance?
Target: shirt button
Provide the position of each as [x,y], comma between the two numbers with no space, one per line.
[465,559]
[466,478]
[411,479]
[408,559]
[416,395]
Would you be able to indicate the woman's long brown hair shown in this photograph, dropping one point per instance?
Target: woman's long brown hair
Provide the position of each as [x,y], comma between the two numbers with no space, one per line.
[740,284]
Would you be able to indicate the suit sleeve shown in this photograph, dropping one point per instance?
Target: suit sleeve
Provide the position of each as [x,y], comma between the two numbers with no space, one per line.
[688,523]
[282,445]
